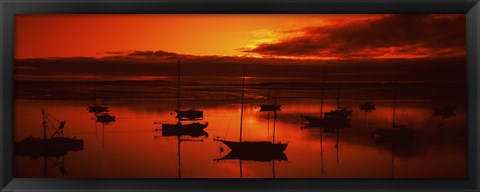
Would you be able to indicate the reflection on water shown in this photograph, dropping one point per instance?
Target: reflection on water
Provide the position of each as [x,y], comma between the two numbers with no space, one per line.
[130,147]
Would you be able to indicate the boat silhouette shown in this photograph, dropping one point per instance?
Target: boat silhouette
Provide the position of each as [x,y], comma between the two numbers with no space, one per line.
[329,119]
[97,108]
[340,112]
[254,156]
[444,112]
[55,144]
[270,107]
[367,106]
[190,114]
[397,133]
[255,147]
[257,157]
[105,118]
[397,136]
[267,107]
[179,129]
[264,147]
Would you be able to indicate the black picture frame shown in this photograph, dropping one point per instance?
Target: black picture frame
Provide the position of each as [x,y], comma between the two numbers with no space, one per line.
[8,8]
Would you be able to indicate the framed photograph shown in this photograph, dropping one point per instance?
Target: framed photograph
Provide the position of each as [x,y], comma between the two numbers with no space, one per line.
[231,95]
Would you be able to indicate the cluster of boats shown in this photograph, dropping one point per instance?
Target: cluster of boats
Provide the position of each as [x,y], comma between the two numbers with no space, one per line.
[269,150]
[190,123]
[102,113]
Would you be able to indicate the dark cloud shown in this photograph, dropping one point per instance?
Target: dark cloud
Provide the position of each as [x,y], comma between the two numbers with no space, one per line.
[158,53]
[405,34]
[212,68]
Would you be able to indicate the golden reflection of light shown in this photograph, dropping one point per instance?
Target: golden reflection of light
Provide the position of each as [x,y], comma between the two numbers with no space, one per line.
[248,77]
[158,158]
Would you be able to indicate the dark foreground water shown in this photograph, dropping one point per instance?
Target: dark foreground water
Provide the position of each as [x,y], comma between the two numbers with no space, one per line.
[131,148]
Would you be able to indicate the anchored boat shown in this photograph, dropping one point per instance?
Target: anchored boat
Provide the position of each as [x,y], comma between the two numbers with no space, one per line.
[253,147]
[194,129]
[55,144]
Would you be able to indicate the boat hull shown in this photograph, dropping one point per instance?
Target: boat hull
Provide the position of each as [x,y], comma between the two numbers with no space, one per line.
[193,129]
[105,118]
[254,156]
[97,109]
[444,112]
[38,147]
[367,107]
[264,108]
[258,147]
[339,113]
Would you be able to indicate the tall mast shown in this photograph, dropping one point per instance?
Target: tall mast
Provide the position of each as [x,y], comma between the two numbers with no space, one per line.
[243,95]
[103,136]
[274,117]
[44,124]
[321,150]
[178,87]
[321,96]
[393,125]
[179,160]
[338,97]
[394,103]
[268,112]
[336,145]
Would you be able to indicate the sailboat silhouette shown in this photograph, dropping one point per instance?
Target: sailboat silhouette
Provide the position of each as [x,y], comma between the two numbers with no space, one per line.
[190,114]
[178,128]
[253,148]
[397,133]
[340,112]
[258,157]
[262,157]
[52,147]
[325,120]
[270,107]
[55,144]
[95,107]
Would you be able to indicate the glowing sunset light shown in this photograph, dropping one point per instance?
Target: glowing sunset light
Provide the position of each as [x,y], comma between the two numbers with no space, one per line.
[283,36]
[240,96]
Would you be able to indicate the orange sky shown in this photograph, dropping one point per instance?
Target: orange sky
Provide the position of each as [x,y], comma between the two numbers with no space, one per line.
[92,35]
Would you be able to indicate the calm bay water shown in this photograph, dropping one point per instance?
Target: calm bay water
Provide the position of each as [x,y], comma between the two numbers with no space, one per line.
[131,148]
